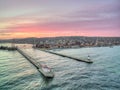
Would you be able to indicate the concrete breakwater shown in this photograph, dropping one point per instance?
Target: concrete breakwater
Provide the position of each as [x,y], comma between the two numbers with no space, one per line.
[87,61]
[31,60]
[49,73]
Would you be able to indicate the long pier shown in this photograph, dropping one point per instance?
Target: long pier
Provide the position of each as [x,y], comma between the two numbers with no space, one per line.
[87,61]
[30,59]
[36,64]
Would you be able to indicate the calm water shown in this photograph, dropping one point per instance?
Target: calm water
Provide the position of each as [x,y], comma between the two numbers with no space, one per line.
[16,73]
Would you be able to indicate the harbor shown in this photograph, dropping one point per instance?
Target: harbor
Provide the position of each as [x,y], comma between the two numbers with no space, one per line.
[43,69]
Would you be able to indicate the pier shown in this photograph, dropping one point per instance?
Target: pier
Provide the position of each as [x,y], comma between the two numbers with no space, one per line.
[39,67]
[87,61]
[8,48]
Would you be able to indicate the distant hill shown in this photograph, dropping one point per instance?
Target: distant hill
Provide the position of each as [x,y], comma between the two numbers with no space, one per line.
[34,40]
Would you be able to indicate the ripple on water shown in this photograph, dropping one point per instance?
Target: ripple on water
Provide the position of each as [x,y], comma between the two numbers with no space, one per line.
[16,73]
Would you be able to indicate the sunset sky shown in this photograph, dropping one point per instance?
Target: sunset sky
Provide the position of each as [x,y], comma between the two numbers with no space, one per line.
[49,18]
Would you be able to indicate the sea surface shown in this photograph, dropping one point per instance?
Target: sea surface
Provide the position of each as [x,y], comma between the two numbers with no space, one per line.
[17,73]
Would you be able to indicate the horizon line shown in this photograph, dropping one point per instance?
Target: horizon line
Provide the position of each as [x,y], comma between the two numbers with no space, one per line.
[63,36]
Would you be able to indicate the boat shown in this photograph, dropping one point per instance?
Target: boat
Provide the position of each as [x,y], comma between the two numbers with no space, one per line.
[46,71]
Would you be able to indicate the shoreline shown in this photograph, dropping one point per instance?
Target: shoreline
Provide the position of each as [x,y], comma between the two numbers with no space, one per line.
[80,47]
[31,46]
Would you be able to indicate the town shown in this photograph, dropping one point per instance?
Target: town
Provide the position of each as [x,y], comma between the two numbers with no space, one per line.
[67,42]
[76,42]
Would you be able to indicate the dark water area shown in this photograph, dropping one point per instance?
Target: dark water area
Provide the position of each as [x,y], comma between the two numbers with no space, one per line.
[17,73]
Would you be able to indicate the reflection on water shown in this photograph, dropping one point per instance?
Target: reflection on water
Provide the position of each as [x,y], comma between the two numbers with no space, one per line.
[16,73]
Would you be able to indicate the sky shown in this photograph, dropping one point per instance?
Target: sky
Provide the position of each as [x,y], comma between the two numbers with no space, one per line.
[51,18]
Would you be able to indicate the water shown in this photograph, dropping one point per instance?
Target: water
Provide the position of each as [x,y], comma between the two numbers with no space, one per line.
[16,73]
